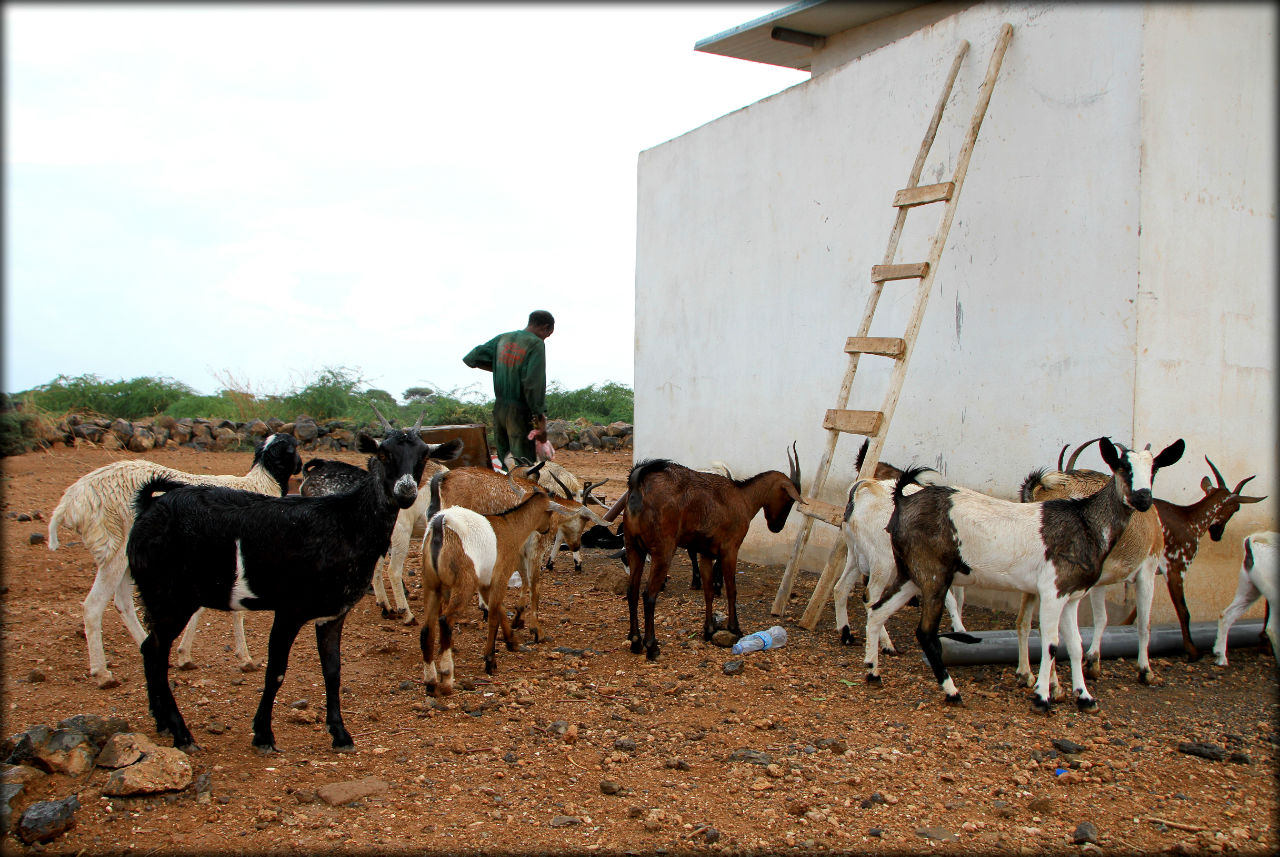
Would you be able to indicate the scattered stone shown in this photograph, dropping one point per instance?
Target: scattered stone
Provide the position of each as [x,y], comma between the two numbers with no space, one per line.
[1062,745]
[1086,831]
[734,667]
[724,639]
[752,757]
[336,794]
[36,538]
[609,787]
[875,831]
[1205,751]
[573,653]
[939,834]
[216,727]
[48,819]
[300,705]
[711,834]
[67,751]
[21,774]
[407,684]
[565,820]
[123,749]
[1041,805]
[797,808]
[1240,758]
[163,769]
[676,764]
[875,798]
[835,745]
[36,675]
[627,745]
[8,791]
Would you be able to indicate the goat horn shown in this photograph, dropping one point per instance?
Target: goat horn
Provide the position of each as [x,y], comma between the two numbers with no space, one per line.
[563,487]
[1236,491]
[1061,453]
[1071,462]
[1216,474]
[793,462]
[519,492]
[418,425]
[385,425]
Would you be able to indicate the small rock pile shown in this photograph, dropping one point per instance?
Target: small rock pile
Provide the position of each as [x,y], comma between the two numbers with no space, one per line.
[76,748]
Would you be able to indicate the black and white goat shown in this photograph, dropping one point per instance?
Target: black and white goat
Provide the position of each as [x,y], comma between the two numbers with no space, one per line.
[1053,549]
[306,558]
[1259,578]
[670,506]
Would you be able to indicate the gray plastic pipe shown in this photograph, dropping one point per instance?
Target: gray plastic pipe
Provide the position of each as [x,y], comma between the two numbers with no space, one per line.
[1118,641]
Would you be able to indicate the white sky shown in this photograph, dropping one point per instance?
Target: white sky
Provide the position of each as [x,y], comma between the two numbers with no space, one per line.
[250,194]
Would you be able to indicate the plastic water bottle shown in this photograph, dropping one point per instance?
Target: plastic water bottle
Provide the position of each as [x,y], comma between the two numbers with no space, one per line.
[495,463]
[770,639]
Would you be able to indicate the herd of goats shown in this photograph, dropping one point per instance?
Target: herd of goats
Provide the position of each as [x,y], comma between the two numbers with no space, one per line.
[234,543]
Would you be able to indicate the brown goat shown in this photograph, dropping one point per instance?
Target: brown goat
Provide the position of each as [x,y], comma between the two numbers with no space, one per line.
[670,506]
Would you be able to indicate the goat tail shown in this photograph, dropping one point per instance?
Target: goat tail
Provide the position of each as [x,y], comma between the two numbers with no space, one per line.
[436,525]
[146,495]
[910,476]
[1026,493]
[635,502]
[961,637]
[55,520]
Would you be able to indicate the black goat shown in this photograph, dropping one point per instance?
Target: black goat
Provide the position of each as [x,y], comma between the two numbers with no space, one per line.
[306,558]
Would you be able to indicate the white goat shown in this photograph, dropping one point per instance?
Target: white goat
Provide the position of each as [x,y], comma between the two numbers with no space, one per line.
[866,514]
[1259,578]
[100,507]
[1053,549]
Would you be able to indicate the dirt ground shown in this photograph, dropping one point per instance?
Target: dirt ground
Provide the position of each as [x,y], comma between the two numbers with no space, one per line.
[577,745]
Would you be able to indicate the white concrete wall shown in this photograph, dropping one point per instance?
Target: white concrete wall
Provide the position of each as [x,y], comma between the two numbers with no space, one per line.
[757,233]
[1207,291]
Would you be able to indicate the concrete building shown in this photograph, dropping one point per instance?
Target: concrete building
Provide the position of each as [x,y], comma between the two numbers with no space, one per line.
[1110,270]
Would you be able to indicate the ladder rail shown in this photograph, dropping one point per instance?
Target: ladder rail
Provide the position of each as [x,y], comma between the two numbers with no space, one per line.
[826,581]
[873,300]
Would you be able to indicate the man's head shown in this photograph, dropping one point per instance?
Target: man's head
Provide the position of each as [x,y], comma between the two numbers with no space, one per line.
[541,323]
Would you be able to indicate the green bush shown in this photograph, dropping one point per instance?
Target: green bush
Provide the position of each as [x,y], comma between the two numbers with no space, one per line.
[131,400]
[601,403]
[17,429]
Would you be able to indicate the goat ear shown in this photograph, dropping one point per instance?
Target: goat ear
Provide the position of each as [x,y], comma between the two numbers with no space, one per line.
[446,451]
[1169,455]
[1205,485]
[1109,453]
[366,443]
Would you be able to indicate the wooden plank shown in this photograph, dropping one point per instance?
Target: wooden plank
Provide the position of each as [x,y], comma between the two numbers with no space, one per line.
[923,195]
[884,346]
[826,583]
[820,510]
[883,273]
[853,422]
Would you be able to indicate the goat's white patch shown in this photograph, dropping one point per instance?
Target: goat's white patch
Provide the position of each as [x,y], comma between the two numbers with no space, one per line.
[240,590]
[1140,461]
[478,540]
[270,440]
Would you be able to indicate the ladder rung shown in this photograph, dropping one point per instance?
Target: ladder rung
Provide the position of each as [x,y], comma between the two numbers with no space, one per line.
[884,346]
[881,273]
[924,194]
[854,422]
[822,511]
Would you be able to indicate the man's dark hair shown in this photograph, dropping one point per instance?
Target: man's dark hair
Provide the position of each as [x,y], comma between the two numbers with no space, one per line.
[541,318]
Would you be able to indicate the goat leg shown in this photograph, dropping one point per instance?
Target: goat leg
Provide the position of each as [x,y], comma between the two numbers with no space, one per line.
[1174,579]
[704,582]
[931,606]
[635,563]
[329,647]
[155,664]
[729,564]
[284,630]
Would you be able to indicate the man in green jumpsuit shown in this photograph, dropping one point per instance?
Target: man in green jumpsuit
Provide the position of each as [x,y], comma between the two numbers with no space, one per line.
[518,361]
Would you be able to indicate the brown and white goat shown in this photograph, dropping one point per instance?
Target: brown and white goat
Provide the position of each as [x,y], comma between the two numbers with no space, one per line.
[1138,555]
[1053,549]
[559,481]
[465,552]
[1259,578]
[670,506]
[1183,528]
[486,492]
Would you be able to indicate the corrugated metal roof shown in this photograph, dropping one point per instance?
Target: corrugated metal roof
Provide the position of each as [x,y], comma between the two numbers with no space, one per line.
[754,40]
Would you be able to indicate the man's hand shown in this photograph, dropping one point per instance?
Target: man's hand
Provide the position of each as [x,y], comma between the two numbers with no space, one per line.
[540,427]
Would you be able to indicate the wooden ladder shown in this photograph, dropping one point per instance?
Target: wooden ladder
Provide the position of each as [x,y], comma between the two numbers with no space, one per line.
[875,424]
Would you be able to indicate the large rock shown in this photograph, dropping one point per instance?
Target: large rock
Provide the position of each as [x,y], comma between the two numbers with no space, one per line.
[224,439]
[67,751]
[95,726]
[125,748]
[141,440]
[48,819]
[305,429]
[122,429]
[8,791]
[162,770]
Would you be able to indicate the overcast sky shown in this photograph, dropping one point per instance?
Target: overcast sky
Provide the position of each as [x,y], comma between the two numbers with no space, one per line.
[247,195]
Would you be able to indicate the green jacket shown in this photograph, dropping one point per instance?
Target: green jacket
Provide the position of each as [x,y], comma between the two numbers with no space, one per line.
[519,363]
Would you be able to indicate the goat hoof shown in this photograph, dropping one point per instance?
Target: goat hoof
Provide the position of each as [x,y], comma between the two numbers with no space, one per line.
[431,689]
[344,748]
[637,646]
[1147,677]
[888,650]
[954,699]
[411,621]
[265,749]
[652,652]
[186,665]
[1040,704]
[534,636]
[108,681]
[846,636]
[1092,670]
[387,614]
[872,678]
[1193,655]
[250,666]
[190,747]
[489,666]
[577,566]
[1086,703]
